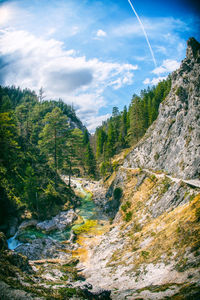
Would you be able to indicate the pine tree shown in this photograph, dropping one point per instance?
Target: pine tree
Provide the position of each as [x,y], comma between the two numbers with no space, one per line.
[85,137]
[101,139]
[73,153]
[53,137]
[110,144]
[90,161]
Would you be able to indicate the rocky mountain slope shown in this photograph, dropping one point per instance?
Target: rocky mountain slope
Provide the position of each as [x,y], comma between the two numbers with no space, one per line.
[152,250]
[172,142]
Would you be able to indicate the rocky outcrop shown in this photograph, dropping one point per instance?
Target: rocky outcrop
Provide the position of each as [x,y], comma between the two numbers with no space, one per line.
[18,260]
[172,142]
[8,293]
[152,248]
[27,224]
[41,249]
[59,222]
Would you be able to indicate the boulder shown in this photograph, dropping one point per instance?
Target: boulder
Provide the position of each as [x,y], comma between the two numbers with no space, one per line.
[59,222]
[27,223]
[41,249]
[18,260]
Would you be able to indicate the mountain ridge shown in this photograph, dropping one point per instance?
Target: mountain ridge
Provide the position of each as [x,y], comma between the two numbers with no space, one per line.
[172,141]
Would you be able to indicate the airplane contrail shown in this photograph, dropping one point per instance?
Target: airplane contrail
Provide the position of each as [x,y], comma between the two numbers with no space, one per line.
[145,34]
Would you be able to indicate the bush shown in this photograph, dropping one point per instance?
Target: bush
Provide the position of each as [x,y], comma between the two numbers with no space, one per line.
[197,214]
[128,216]
[117,193]
[126,206]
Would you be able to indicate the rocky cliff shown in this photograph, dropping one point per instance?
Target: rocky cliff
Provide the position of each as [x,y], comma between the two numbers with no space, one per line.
[152,249]
[172,142]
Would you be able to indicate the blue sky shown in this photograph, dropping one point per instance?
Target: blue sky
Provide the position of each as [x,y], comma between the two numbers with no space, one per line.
[93,53]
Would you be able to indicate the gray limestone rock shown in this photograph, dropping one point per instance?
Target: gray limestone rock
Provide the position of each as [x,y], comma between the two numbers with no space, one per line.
[40,249]
[26,224]
[9,293]
[59,222]
[172,141]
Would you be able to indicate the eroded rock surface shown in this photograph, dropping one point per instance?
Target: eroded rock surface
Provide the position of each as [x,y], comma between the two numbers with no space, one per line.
[59,222]
[172,143]
[41,248]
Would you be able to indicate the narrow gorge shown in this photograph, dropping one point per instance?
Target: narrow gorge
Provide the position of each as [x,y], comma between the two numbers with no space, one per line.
[133,235]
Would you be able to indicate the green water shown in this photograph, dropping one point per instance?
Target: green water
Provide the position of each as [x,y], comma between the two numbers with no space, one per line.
[87,210]
[33,233]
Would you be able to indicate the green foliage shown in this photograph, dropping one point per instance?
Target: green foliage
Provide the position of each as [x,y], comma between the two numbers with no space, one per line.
[128,216]
[117,193]
[90,161]
[105,168]
[126,128]
[156,156]
[197,214]
[126,206]
[37,144]
[115,165]
[145,254]
[67,292]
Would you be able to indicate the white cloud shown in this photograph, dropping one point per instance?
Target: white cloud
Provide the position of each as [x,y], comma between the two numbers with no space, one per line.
[147,81]
[161,49]
[167,66]
[34,62]
[101,33]
[96,121]
[155,80]
[153,26]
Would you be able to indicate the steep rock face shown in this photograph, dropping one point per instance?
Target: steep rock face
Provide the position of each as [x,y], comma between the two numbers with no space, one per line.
[172,142]
[152,249]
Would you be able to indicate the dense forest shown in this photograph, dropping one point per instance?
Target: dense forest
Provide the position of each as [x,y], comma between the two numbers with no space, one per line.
[40,140]
[124,129]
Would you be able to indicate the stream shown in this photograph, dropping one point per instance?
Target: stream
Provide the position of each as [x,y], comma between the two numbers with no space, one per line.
[87,212]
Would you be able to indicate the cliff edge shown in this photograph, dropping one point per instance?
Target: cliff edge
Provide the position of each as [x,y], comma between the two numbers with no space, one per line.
[172,142]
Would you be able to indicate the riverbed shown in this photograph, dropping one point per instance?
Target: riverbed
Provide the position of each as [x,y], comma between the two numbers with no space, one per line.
[91,221]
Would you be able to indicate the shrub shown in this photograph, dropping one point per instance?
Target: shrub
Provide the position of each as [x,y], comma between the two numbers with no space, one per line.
[117,193]
[126,206]
[115,165]
[197,214]
[128,216]
[156,156]
[145,254]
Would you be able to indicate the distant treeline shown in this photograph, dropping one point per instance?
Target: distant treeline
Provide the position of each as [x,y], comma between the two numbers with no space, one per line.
[39,140]
[124,129]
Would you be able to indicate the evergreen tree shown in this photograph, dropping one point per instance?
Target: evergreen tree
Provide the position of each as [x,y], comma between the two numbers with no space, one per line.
[101,139]
[85,137]
[90,161]
[53,137]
